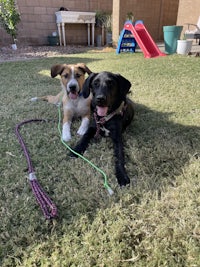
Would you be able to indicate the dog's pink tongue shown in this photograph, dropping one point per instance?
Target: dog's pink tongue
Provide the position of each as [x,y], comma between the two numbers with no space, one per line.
[102,111]
[73,96]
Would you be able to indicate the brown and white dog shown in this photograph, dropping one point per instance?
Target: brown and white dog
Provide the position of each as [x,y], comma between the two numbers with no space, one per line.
[74,104]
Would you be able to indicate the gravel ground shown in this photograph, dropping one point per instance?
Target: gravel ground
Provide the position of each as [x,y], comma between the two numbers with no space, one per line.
[30,52]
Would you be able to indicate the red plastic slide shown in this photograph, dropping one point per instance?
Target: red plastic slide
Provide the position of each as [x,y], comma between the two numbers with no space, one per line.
[144,40]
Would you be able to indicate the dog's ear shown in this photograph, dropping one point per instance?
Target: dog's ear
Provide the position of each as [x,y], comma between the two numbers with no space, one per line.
[87,85]
[57,69]
[124,84]
[84,68]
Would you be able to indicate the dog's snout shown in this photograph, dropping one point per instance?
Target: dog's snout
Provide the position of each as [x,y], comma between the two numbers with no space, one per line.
[72,87]
[100,99]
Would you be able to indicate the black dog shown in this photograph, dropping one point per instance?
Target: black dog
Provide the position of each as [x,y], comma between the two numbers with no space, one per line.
[112,113]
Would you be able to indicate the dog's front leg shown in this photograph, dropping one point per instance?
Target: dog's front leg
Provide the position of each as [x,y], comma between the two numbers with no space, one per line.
[84,126]
[120,170]
[84,141]
[66,133]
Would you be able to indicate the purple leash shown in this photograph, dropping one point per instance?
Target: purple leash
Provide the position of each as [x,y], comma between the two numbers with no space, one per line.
[47,206]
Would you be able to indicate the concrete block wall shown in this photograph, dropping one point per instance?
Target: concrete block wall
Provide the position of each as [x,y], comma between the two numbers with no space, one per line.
[38,20]
[38,17]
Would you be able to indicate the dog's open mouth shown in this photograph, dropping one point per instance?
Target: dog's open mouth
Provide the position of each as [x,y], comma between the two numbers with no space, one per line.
[102,111]
[73,95]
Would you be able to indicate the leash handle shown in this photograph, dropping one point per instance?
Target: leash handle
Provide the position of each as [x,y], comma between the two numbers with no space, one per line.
[47,206]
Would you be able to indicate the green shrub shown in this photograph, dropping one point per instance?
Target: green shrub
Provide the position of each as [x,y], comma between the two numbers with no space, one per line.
[9,17]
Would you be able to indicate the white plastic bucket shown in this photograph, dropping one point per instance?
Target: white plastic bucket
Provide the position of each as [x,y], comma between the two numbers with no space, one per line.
[184,47]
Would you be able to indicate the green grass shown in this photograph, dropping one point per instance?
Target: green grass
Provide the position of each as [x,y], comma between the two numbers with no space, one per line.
[155,221]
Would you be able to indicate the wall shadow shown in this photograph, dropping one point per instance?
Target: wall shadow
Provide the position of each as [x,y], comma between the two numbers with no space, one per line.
[158,149]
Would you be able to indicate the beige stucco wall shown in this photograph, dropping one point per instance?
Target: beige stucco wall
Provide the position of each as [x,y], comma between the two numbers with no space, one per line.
[188,12]
[155,14]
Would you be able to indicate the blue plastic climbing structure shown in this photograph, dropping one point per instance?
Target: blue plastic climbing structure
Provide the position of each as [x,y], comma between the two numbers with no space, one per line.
[126,42]
[133,34]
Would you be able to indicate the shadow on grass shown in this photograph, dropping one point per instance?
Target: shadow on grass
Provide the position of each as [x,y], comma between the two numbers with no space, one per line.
[156,149]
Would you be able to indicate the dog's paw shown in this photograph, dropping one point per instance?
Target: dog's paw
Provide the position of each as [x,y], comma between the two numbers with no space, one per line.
[81,131]
[73,155]
[83,127]
[123,181]
[66,135]
[34,99]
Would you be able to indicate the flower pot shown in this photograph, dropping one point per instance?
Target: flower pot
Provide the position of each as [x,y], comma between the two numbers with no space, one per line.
[171,35]
[109,38]
[53,40]
[99,40]
[184,47]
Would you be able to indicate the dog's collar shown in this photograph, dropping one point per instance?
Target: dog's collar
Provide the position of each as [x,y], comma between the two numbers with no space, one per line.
[100,122]
[80,94]
[119,110]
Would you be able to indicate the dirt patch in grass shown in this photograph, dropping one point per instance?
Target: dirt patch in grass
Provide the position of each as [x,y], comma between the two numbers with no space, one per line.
[31,52]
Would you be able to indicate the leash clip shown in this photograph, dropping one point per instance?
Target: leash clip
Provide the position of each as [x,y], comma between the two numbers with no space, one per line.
[32,176]
[58,104]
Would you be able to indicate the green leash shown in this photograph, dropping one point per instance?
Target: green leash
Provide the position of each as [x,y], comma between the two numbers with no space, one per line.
[110,191]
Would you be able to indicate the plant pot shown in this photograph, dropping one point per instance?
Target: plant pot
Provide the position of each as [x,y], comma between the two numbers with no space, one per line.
[171,35]
[53,40]
[109,38]
[14,46]
[184,47]
[99,40]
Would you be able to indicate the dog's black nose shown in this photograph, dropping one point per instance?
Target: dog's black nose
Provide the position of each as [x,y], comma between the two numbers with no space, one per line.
[72,87]
[100,99]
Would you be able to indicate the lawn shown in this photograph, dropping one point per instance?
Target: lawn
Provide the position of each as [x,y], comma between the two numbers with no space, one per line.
[155,221]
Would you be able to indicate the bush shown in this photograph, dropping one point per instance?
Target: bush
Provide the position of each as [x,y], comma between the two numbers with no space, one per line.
[9,17]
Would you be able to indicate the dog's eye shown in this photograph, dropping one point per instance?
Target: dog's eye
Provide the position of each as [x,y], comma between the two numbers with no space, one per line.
[78,75]
[65,75]
[96,83]
[109,83]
